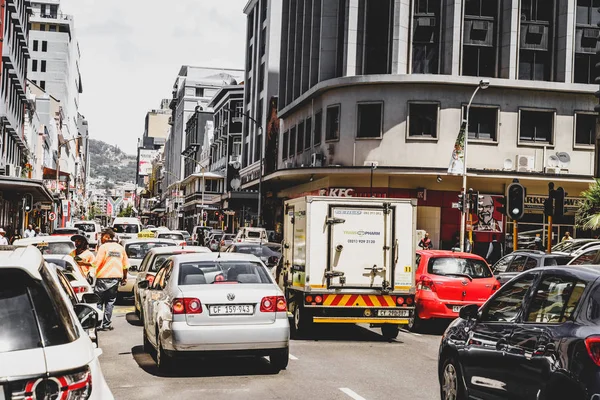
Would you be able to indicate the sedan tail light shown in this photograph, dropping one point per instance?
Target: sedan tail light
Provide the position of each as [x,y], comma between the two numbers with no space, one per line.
[592,344]
[186,305]
[273,304]
[79,289]
[426,283]
[496,286]
[67,386]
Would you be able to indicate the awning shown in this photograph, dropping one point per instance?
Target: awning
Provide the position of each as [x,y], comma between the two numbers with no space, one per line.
[19,186]
[50,173]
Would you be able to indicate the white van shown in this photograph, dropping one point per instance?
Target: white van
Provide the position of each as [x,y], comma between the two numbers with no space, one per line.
[126,227]
[252,235]
[92,231]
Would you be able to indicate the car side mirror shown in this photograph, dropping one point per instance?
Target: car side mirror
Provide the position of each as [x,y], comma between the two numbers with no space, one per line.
[272,261]
[144,284]
[90,298]
[134,268]
[469,312]
[87,316]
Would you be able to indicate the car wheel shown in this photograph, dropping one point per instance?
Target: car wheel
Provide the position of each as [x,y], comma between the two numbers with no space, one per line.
[415,323]
[390,331]
[301,321]
[163,360]
[279,359]
[451,386]
[147,345]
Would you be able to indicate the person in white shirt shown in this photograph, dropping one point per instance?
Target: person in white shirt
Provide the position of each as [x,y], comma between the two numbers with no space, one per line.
[29,232]
[3,240]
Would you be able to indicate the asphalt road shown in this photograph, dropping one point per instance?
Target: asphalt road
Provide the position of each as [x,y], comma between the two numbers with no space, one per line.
[339,362]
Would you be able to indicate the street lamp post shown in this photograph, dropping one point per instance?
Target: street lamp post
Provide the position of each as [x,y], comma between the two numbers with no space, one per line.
[483,84]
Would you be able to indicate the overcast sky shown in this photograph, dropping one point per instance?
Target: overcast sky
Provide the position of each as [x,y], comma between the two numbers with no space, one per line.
[131,52]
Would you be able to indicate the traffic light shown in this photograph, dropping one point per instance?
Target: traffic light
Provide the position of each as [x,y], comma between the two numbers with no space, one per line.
[559,202]
[515,203]
[475,202]
[28,202]
[461,202]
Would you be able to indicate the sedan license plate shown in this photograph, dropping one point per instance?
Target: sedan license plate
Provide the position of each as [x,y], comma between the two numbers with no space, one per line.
[229,309]
[393,313]
[456,308]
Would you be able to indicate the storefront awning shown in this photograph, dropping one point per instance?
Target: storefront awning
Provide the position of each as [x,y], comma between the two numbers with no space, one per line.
[50,173]
[19,186]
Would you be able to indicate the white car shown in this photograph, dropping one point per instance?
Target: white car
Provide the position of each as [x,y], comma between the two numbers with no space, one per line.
[55,245]
[252,235]
[92,231]
[215,302]
[44,339]
[126,227]
[71,270]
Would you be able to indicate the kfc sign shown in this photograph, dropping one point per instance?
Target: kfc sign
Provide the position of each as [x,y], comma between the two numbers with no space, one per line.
[333,192]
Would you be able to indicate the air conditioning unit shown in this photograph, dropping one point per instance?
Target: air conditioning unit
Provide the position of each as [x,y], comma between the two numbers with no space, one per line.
[590,33]
[426,22]
[552,170]
[525,163]
[316,160]
[288,164]
[480,25]
[535,30]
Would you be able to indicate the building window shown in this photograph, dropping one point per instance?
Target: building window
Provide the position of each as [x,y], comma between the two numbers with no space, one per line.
[332,122]
[422,120]
[249,59]
[199,92]
[292,149]
[43,27]
[44,46]
[286,141]
[536,126]
[585,129]
[250,25]
[34,65]
[263,42]
[249,91]
[43,69]
[35,45]
[587,13]
[43,85]
[308,134]
[586,40]
[377,35]
[259,113]
[261,78]
[263,10]
[370,120]
[318,127]
[426,37]
[534,66]
[536,47]
[585,65]
[483,122]
[52,27]
[300,138]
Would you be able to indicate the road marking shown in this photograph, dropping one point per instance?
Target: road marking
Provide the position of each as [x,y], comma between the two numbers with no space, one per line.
[293,357]
[409,332]
[352,394]
[123,310]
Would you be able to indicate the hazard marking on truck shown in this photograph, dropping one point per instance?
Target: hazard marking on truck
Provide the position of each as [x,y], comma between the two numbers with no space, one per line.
[358,300]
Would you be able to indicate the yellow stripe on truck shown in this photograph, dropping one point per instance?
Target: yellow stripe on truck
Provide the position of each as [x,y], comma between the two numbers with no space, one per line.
[352,320]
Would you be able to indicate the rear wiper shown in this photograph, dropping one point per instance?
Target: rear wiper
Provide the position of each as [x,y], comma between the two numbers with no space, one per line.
[463,275]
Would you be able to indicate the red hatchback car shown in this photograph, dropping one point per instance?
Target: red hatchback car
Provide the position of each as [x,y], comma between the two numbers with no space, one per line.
[448,280]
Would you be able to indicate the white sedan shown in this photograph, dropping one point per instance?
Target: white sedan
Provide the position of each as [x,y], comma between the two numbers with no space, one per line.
[225,303]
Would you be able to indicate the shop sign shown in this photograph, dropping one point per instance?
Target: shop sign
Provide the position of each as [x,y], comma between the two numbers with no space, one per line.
[337,192]
[536,203]
[65,208]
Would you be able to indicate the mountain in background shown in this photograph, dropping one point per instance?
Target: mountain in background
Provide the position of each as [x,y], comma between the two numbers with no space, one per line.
[109,163]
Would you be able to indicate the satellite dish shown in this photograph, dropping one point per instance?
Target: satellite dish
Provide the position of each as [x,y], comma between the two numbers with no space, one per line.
[553,161]
[236,165]
[508,164]
[564,158]
[235,183]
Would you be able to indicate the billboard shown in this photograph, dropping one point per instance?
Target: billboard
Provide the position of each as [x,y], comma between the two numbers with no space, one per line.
[489,219]
[145,161]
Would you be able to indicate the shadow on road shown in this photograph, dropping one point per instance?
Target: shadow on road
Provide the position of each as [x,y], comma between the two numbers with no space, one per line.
[204,367]
[133,319]
[343,332]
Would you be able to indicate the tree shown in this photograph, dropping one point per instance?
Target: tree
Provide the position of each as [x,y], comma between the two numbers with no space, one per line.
[126,212]
[588,213]
[93,211]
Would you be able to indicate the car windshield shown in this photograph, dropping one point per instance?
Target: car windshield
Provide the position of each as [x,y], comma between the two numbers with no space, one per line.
[171,235]
[139,250]
[86,227]
[62,248]
[126,228]
[553,261]
[185,234]
[200,273]
[453,266]
[589,257]
[228,237]
[253,234]
[65,231]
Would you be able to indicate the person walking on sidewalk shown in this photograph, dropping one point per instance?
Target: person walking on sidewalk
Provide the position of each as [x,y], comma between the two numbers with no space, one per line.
[111,264]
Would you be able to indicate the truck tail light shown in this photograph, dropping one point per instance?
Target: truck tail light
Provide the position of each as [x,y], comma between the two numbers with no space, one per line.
[67,386]
[426,283]
[186,305]
[592,344]
[273,304]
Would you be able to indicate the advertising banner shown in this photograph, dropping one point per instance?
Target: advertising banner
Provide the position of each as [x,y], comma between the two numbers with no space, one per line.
[488,218]
[145,161]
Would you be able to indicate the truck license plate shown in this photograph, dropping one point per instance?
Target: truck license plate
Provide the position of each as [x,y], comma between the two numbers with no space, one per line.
[227,309]
[393,313]
[456,308]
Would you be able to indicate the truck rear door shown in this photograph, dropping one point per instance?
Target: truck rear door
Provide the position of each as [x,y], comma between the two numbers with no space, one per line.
[360,246]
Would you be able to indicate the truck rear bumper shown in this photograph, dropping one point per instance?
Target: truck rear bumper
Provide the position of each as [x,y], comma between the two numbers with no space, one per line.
[353,320]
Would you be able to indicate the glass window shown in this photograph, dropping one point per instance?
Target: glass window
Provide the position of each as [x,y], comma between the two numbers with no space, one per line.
[126,228]
[308,134]
[300,138]
[585,129]
[553,261]
[422,120]
[286,142]
[555,300]
[318,127]
[159,278]
[522,263]
[536,126]
[34,65]
[89,228]
[171,235]
[35,45]
[502,264]
[453,266]
[139,250]
[44,46]
[158,262]
[201,273]
[506,305]
[592,309]
[483,122]
[332,130]
[369,120]
[586,258]
[292,149]
[54,247]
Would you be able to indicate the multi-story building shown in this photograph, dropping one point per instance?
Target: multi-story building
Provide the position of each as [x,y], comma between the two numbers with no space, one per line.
[156,132]
[194,86]
[373,93]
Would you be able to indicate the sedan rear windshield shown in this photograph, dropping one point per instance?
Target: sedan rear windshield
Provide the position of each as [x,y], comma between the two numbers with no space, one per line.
[126,228]
[86,227]
[61,248]
[253,234]
[202,273]
[173,236]
[65,231]
[139,250]
[451,266]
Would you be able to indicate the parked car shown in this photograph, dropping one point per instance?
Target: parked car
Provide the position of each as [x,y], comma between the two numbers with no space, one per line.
[252,235]
[92,231]
[537,337]
[262,251]
[518,261]
[56,245]
[173,235]
[199,233]
[150,265]
[247,315]
[448,280]
[226,241]
[44,336]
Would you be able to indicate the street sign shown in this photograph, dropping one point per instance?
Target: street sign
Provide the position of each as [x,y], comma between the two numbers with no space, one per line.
[52,216]
[46,207]
[454,205]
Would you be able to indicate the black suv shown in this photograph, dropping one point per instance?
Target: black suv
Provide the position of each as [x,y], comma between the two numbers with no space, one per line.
[516,262]
[537,337]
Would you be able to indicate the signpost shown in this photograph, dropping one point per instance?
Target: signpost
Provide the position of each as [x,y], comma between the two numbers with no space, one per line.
[52,216]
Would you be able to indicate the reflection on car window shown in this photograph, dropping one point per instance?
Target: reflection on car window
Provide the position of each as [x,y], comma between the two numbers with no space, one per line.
[62,248]
[586,258]
[158,262]
[502,264]
[125,228]
[202,273]
[507,303]
[174,236]
[553,261]
[522,263]
[449,266]
[555,300]
[86,227]
[139,250]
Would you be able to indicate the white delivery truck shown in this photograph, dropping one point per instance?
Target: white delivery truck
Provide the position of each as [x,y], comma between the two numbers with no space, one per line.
[349,260]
